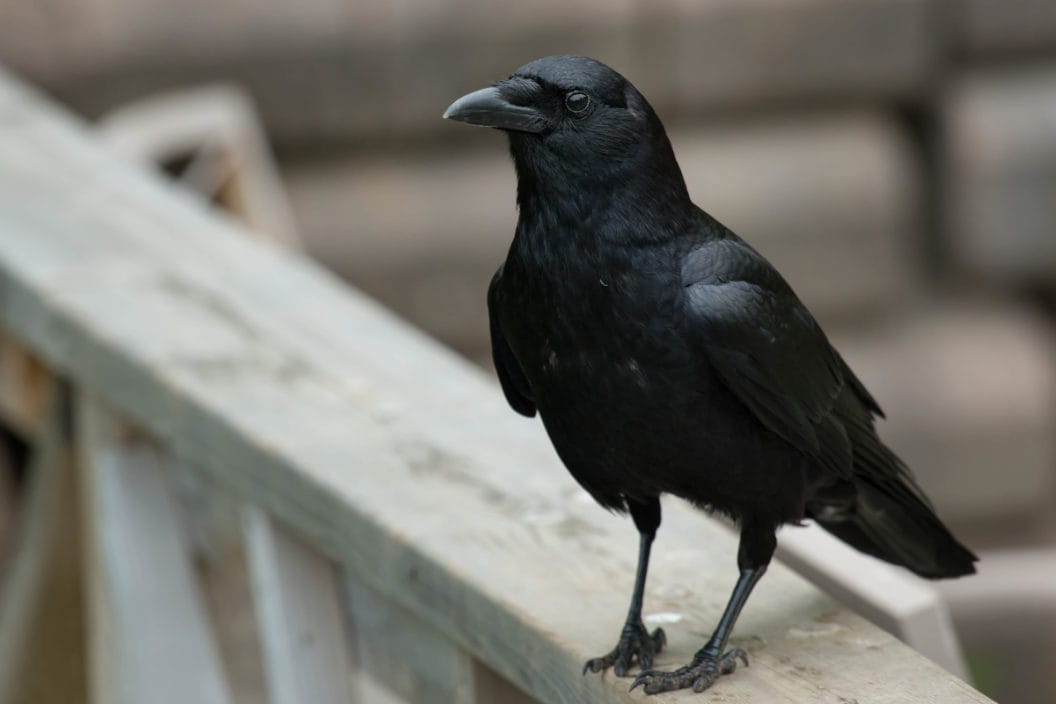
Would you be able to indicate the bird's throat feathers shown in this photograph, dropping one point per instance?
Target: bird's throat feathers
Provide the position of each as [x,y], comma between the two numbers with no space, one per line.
[594,193]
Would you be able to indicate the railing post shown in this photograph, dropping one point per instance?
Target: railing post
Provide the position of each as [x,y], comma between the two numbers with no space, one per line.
[302,627]
[150,637]
[415,661]
[40,600]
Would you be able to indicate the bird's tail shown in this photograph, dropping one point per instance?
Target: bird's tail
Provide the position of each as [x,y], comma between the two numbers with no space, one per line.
[888,516]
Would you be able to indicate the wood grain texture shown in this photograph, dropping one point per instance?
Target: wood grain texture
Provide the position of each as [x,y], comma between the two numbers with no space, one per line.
[376,445]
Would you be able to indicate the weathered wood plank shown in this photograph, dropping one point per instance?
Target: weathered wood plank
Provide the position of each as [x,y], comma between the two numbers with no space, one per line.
[223,574]
[41,636]
[218,127]
[151,639]
[25,387]
[380,448]
[24,574]
[908,607]
[302,625]
[394,648]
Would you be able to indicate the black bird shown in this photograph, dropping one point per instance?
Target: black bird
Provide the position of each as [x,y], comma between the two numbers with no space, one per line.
[665,354]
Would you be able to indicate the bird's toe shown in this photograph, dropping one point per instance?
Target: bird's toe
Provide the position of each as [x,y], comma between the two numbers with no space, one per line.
[699,675]
[635,644]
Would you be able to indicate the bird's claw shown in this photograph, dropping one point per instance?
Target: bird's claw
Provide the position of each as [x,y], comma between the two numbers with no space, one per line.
[636,643]
[700,674]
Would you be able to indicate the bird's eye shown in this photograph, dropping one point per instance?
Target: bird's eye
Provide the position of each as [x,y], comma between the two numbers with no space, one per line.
[577,102]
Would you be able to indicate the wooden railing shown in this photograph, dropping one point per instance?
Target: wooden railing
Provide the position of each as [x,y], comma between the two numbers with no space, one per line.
[252,442]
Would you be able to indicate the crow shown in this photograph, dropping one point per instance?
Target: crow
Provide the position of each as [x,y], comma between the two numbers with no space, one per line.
[665,355]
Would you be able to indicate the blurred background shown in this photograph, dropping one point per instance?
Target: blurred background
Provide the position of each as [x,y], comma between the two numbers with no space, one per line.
[896,159]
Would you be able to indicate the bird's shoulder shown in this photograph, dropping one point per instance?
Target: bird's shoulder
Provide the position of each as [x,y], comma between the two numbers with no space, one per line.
[714,255]
[748,324]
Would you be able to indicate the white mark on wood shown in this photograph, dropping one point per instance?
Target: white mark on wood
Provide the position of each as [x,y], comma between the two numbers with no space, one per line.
[664,617]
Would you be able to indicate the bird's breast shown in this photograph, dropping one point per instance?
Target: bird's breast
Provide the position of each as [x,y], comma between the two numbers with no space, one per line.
[595,330]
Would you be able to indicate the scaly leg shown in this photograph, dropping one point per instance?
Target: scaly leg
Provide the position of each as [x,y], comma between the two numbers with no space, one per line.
[713,660]
[635,641]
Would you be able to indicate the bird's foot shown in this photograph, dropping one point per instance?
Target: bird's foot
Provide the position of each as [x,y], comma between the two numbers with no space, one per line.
[699,674]
[635,643]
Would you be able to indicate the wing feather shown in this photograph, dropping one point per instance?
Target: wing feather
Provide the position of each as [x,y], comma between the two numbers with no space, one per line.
[514,383]
[768,349]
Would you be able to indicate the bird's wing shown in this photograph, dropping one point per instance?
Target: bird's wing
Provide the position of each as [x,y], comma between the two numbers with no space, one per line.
[768,349]
[511,377]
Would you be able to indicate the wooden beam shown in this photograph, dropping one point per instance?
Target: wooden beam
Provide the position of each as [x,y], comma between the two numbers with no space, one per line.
[26,386]
[908,607]
[382,450]
[41,613]
[415,662]
[230,161]
[396,649]
[151,641]
[302,625]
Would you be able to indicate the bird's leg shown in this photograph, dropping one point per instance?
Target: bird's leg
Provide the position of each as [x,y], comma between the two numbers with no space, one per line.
[635,641]
[710,662]
[713,660]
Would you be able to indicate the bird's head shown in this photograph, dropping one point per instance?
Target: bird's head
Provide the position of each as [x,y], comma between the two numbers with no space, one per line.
[573,121]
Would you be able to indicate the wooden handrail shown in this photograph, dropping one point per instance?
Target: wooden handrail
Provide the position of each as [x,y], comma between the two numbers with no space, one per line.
[378,448]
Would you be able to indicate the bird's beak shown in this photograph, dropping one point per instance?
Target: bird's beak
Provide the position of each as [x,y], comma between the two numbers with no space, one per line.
[488,108]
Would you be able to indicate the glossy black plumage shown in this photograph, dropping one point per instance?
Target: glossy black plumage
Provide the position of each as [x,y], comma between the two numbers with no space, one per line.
[665,355]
